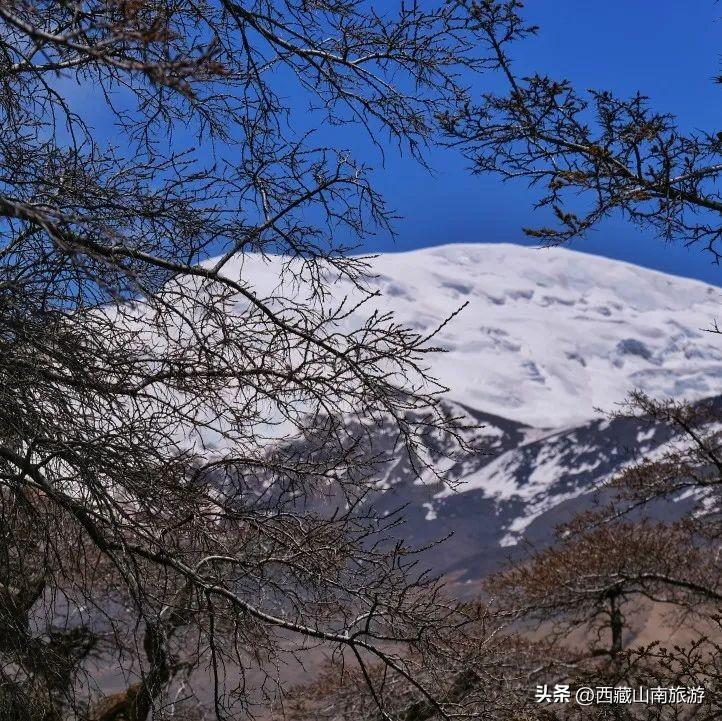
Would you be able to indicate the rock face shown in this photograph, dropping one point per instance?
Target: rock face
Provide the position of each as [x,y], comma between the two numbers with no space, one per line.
[550,340]
[515,496]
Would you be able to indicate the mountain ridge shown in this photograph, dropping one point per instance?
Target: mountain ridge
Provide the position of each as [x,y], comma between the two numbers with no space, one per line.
[550,337]
[551,340]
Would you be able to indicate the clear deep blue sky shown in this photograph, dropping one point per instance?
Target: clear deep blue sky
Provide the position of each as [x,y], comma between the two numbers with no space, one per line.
[668,49]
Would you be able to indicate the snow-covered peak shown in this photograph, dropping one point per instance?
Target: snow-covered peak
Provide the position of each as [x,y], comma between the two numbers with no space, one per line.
[549,335]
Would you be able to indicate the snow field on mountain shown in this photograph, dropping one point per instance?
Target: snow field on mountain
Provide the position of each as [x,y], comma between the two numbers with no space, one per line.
[549,336]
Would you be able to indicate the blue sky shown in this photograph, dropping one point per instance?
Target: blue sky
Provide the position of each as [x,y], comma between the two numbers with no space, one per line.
[668,49]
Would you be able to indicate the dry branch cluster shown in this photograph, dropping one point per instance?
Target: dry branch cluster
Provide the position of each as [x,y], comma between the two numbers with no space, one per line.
[157,538]
[163,553]
[589,153]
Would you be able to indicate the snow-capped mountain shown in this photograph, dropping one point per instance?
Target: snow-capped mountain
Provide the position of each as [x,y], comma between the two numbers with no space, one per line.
[551,334]
[515,496]
[550,340]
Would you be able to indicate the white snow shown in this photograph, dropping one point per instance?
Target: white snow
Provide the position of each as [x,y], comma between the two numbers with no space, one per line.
[551,338]
[533,344]
[550,335]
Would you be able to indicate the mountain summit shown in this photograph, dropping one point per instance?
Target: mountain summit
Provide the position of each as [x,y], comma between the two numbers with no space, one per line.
[552,335]
[549,341]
